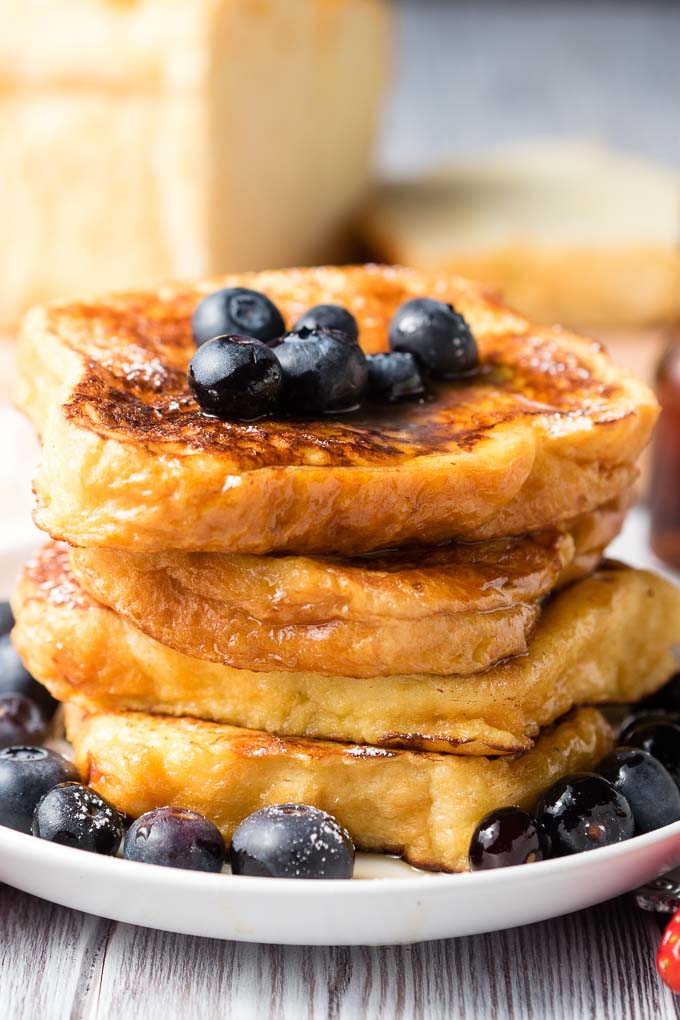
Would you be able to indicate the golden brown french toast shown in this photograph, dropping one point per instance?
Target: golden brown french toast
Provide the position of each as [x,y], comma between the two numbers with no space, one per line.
[548,428]
[457,608]
[421,806]
[607,638]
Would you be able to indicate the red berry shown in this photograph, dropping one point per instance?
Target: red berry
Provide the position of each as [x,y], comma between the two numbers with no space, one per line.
[668,957]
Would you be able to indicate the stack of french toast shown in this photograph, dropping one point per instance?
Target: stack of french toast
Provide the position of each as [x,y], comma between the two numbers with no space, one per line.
[400,615]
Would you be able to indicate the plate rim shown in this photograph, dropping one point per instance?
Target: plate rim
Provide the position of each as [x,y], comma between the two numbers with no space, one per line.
[160,874]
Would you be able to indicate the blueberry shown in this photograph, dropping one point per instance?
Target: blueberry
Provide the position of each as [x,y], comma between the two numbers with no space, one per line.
[329,317]
[235,377]
[6,618]
[436,335]
[647,786]
[646,716]
[21,721]
[236,310]
[667,699]
[26,775]
[175,838]
[660,735]
[507,836]
[394,376]
[292,841]
[15,679]
[321,372]
[582,812]
[74,815]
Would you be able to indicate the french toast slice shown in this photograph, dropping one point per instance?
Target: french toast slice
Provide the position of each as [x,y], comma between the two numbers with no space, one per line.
[457,608]
[423,807]
[548,428]
[607,638]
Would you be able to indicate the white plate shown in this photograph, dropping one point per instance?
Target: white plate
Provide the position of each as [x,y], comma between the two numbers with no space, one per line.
[388,903]
[372,912]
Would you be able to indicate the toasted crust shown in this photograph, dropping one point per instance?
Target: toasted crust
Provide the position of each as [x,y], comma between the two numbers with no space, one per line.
[457,608]
[588,647]
[548,429]
[421,806]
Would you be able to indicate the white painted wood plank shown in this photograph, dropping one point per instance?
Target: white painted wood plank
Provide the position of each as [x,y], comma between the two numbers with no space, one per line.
[48,957]
[596,964]
[57,964]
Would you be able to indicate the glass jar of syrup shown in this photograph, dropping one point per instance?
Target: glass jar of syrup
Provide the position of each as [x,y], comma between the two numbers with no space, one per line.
[665,491]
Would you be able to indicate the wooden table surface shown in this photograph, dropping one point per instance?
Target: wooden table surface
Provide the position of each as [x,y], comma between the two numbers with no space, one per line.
[58,964]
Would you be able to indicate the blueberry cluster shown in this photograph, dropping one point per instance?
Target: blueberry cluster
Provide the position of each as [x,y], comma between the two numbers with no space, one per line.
[40,794]
[39,789]
[634,789]
[247,366]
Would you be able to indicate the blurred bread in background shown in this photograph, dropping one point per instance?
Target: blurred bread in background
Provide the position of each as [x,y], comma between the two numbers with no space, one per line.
[142,139]
[568,231]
